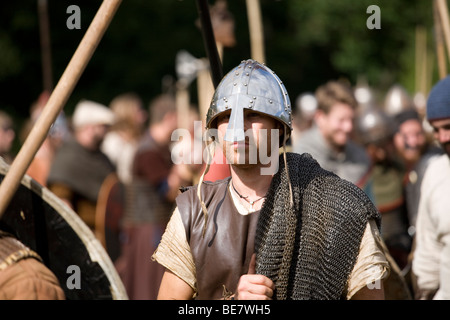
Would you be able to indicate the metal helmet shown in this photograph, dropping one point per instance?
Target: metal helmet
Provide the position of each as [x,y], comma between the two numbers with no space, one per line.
[306,105]
[250,85]
[397,100]
[373,125]
[364,95]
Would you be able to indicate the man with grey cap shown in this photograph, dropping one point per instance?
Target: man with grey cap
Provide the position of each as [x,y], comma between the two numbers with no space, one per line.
[80,167]
[280,227]
[414,149]
[431,261]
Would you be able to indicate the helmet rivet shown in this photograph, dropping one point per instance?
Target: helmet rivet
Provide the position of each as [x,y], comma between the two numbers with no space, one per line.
[270,101]
[247,74]
[235,84]
[226,106]
[254,98]
[250,106]
[245,84]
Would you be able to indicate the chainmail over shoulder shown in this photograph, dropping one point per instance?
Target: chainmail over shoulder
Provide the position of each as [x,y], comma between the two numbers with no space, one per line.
[309,250]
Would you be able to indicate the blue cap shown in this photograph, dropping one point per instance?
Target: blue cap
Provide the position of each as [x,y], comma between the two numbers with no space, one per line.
[438,104]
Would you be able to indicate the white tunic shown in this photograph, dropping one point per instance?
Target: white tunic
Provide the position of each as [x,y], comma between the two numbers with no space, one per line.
[431,262]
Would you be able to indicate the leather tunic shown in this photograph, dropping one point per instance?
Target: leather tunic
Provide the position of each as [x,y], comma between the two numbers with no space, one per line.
[223,254]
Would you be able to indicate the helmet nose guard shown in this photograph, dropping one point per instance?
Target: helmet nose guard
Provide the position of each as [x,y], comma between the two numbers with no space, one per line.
[250,85]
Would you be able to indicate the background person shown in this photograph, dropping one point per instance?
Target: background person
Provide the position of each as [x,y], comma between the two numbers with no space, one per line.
[431,260]
[7,136]
[329,140]
[149,200]
[80,167]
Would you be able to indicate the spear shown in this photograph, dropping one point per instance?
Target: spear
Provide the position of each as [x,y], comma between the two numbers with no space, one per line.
[44,31]
[210,43]
[57,100]
[443,14]
[256,30]
[439,40]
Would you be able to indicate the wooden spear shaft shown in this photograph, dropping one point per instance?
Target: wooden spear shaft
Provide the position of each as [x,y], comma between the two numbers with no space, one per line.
[439,41]
[215,63]
[44,32]
[256,30]
[443,12]
[57,100]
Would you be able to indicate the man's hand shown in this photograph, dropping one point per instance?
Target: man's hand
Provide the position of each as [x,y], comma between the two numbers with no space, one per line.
[253,286]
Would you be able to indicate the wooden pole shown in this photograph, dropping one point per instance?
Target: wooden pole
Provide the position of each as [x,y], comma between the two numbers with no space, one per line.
[443,13]
[205,92]
[421,60]
[46,53]
[215,63]
[439,41]
[183,102]
[418,56]
[256,30]
[57,100]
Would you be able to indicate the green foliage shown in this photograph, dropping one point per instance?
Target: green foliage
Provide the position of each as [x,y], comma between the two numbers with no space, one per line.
[307,42]
[383,56]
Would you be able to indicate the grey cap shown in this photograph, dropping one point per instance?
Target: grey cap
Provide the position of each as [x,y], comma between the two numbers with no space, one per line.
[438,104]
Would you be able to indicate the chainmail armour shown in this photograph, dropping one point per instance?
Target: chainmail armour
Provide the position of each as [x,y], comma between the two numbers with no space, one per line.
[309,250]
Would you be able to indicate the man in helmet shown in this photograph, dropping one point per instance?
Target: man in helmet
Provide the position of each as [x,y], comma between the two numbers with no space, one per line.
[375,131]
[431,262]
[239,238]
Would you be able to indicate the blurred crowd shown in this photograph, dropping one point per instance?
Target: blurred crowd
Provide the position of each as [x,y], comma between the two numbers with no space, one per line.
[383,143]
[113,165]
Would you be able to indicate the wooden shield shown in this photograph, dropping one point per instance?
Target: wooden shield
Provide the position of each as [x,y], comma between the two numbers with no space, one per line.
[109,212]
[68,247]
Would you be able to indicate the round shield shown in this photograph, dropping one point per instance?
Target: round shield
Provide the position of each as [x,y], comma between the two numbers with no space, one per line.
[45,224]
